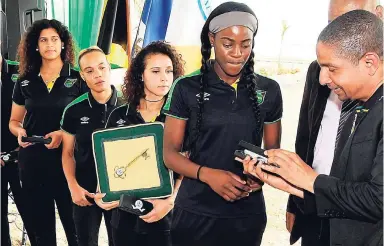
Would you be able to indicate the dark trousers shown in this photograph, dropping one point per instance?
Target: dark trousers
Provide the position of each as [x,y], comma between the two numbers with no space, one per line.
[87,221]
[129,230]
[189,229]
[132,238]
[315,231]
[42,190]
[10,175]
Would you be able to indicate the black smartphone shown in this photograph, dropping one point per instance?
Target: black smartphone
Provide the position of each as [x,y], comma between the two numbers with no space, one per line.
[253,151]
[134,205]
[36,139]
[240,154]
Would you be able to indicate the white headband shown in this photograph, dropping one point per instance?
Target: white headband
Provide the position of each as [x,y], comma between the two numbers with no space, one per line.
[235,18]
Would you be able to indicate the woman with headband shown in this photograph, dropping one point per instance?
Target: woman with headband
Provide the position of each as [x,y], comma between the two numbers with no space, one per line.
[208,113]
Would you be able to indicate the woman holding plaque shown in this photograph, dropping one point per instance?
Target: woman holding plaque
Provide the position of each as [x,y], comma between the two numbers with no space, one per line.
[145,88]
[45,86]
[209,113]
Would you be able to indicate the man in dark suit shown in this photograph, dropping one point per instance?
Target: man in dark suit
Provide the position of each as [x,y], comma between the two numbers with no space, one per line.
[319,122]
[350,54]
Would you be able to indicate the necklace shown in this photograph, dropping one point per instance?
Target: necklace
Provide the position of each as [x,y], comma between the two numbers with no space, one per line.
[153,100]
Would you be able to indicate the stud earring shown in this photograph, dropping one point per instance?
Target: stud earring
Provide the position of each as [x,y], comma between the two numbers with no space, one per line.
[62,47]
[37,49]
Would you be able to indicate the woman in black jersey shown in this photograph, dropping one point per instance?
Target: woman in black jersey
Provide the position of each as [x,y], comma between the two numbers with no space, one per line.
[145,88]
[208,113]
[45,86]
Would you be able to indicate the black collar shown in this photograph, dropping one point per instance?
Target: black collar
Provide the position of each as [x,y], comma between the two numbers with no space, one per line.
[132,110]
[211,76]
[111,102]
[377,96]
[65,70]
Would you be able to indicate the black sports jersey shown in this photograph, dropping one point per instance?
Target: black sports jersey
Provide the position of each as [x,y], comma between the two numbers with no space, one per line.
[44,108]
[80,118]
[228,117]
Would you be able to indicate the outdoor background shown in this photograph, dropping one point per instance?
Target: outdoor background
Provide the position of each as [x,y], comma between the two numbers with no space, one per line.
[284,47]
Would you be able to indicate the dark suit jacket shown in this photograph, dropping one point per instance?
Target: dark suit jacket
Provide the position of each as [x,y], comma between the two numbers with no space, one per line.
[352,196]
[336,195]
[311,113]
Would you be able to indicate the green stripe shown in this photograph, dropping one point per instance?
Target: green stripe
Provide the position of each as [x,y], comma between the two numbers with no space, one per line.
[9,62]
[170,94]
[76,101]
[272,121]
[174,116]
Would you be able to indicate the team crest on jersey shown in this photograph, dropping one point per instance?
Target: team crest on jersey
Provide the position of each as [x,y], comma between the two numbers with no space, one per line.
[15,77]
[69,83]
[260,96]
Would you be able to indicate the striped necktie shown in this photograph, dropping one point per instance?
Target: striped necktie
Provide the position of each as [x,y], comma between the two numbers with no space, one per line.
[346,110]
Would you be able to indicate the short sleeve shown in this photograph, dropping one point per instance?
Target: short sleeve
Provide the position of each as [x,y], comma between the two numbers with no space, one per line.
[175,105]
[67,122]
[276,110]
[18,96]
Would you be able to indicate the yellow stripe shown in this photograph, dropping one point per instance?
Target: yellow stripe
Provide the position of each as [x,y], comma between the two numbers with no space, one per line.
[51,83]
[154,118]
[234,85]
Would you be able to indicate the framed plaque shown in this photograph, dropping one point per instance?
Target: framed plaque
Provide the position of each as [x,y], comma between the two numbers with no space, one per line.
[129,160]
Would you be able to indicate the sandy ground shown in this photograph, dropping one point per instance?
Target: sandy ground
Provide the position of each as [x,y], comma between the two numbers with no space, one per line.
[276,201]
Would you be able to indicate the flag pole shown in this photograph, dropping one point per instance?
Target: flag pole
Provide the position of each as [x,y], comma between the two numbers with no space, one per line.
[129,45]
[133,53]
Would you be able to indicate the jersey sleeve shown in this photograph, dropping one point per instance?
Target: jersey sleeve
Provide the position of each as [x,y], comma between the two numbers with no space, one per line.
[18,96]
[176,105]
[276,110]
[67,122]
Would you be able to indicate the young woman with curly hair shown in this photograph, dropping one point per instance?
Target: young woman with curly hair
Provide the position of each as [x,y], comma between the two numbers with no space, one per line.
[208,113]
[45,86]
[145,88]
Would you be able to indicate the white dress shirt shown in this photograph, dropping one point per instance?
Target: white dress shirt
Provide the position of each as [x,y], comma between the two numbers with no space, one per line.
[325,142]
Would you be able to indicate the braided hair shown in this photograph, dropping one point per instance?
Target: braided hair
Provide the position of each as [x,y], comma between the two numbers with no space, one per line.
[248,74]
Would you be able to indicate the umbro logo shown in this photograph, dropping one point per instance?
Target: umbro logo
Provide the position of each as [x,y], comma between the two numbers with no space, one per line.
[84,120]
[206,96]
[24,83]
[120,122]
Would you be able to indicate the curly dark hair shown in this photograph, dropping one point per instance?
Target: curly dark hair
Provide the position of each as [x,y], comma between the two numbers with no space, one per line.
[247,74]
[133,86]
[30,59]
